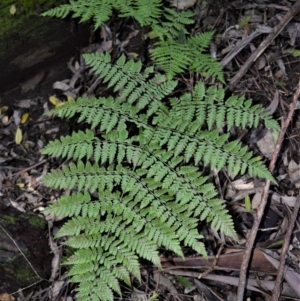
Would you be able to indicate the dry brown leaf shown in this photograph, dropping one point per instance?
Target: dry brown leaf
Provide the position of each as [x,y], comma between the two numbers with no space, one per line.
[6,297]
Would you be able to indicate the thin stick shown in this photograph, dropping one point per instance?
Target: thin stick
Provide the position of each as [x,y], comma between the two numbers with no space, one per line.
[30,167]
[264,44]
[285,247]
[260,210]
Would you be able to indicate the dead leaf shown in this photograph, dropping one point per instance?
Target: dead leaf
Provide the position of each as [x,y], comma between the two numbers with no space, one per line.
[267,144]
[182,4]
[293,30]
[132,54]
[138,295]
[56,288]
[282,68]
[163,281]
[294,173]
[288,200]
[13,9]
[24,118]
[105,46]
[55,101]
[256,200]
[261,62]
[241,184]
[274,104]
[17,118]
[24,103]
[6,297]
[18,206]
[61,86]
[18,136]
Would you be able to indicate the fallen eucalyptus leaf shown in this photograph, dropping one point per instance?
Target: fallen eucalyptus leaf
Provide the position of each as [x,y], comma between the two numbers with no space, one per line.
[24,118]
[18,136]
[12,9]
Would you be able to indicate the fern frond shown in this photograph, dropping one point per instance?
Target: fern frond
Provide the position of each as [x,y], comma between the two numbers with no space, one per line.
[99,11]
[146,11]
[201,42]
[179,18]
[176,21]
[77,146]
[60,11]
[171,57]
[211,108]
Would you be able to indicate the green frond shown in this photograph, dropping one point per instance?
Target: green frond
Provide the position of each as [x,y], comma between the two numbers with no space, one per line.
[60,11]
[203,62]
[98,11]
[147,11]
[77,146]
[174,24]
[171,57]
[207,65]
[201,42]
[176,17]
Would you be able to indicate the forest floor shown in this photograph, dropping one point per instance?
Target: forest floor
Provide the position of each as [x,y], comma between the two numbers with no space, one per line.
[257,63]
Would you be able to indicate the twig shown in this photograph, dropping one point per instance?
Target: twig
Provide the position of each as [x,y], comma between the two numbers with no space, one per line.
[264,44]
[214,263]
[278,282]
[30,167]
[260,210]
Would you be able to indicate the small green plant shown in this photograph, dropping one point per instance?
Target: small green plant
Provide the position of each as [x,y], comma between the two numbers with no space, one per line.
[135,179]
[294,52]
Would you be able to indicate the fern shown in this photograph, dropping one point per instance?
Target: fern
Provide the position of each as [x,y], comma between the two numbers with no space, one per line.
[135,183]
[175,57]
[134,176]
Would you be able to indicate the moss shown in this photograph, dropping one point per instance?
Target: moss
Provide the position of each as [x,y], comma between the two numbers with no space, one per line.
[8,219]
[23,273]
[24,26]
[36,221]
[33,220]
